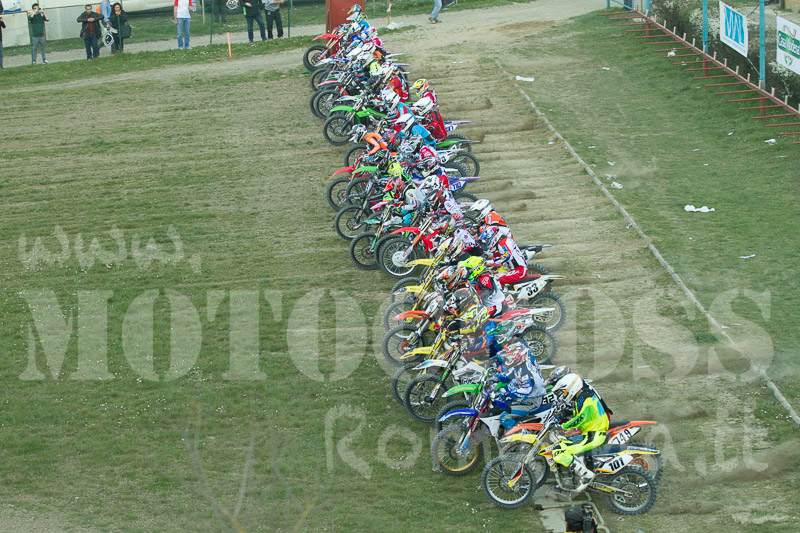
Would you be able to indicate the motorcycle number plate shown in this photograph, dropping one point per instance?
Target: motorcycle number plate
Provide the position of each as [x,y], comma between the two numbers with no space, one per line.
[549,399]
[623,436]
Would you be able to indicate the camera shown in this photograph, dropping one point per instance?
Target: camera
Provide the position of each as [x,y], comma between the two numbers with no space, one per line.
[589,524]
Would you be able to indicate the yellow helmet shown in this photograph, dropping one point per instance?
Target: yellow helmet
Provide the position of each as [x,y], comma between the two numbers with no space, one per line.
[473,319]
[420,86]
[473,267]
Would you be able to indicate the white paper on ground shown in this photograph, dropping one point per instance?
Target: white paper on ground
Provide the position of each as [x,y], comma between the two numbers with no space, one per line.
[770,141]
[616,185]
[747,256]
[520,78]
[692,209]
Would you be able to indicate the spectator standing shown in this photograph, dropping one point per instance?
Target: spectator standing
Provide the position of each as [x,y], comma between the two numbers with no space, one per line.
[252,11]
[105,10]
[90,31]
[2,26]
[220,9]
[273,13]
[437,6]
[182,20]
[117,20]
[36,20]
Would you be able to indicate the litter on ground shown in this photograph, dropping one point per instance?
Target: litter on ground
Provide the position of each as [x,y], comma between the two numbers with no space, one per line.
[692,209]
[520,78]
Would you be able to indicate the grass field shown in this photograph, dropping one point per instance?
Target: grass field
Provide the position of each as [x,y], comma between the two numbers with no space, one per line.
[681,144]
[245,413]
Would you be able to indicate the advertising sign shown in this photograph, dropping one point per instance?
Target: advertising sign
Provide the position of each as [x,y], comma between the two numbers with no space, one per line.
[733,28]
[788,45]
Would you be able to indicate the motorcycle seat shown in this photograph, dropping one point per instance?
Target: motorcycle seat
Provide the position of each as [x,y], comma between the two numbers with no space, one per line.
[613,425]
[607,449]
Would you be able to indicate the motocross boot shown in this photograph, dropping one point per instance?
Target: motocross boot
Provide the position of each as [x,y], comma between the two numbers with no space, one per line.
[584,473]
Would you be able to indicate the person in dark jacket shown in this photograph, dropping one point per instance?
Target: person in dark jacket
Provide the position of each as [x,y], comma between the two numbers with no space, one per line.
[36,20]
[90,31]
[252,11]
[116,21]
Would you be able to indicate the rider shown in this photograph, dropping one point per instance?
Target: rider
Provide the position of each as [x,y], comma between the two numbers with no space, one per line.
[589,418]
[524,386]
[521,373]
[504,252]
[486,286]
[488,216]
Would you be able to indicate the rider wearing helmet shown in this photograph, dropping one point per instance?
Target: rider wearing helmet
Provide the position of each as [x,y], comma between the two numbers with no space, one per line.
[520,372]
[504,252]
[589,419]
[484,283]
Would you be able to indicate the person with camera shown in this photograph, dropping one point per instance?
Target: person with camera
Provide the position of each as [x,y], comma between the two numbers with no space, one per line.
[90,31]
[36,20]
[580,520]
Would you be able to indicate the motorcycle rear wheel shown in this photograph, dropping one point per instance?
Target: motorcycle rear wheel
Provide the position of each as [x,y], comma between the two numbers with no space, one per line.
[554,319]
[637,482]
[542,343]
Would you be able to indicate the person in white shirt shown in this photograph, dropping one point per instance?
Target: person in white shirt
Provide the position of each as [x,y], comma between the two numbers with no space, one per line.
[180,13]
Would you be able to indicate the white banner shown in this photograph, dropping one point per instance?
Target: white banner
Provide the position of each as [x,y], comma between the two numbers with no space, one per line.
[733,28]
[788,45]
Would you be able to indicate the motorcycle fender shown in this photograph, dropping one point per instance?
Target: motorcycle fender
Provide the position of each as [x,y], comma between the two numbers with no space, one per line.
[326,36]
[518,437]
[533,427]
[426,262]
[470,388]
[445,144]
[459,412]
[425,350]
[429,363]
[367,168]
[343,170]
[411,314]
[407,229]
[347,108]
[410,288]
[549,277]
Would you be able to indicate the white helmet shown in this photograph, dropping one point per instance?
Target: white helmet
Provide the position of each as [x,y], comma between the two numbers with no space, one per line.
[391,98]
[405,121]
[482,206]
[568,388]
[423,106]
